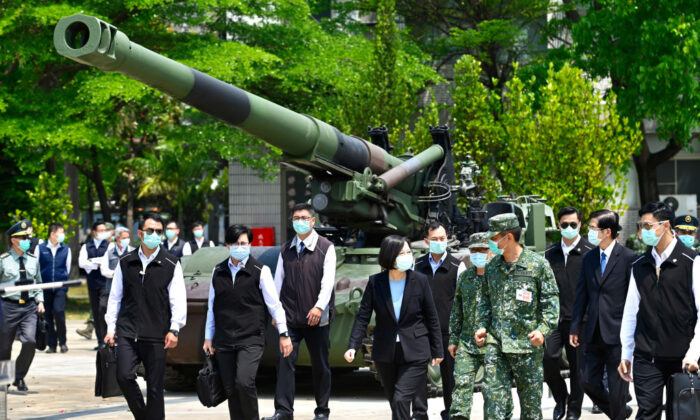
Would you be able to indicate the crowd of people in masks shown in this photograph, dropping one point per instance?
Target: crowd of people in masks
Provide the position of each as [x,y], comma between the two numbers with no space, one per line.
[620,315]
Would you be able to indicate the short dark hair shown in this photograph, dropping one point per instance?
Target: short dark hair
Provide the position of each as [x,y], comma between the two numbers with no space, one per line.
[565,211]
[389,249]
[97,223]
[517,232]
[607,219]
[197,224]
[431,226]
[172,221]
[234,232]
[53,227]
[661,211]
[303,206]
[153,216]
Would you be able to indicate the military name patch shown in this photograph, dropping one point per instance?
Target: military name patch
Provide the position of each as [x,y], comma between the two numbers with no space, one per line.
[523,295]
[523,273]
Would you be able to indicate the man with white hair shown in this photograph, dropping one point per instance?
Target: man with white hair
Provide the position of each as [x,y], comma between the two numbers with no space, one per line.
[122,245]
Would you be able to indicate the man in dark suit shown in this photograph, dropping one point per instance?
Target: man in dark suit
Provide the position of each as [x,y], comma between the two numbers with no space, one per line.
[566,258]
[601,292]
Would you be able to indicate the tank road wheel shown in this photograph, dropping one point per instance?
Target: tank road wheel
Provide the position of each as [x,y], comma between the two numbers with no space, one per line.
[434,382]
[180,378]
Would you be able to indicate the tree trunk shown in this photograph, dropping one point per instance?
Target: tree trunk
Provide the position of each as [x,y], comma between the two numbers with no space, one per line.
[71,172]
[100,188]
[130,203]
[91,202]
[646,164]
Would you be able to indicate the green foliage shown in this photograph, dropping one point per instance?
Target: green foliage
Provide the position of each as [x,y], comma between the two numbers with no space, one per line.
[49,203]
[567,148]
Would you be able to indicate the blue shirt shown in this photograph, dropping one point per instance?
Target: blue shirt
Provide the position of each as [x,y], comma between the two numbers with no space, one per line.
[435,265]
[397,288]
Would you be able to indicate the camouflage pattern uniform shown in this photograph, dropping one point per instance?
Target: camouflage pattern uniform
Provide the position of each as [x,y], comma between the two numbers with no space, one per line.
[635,244]
[519,298]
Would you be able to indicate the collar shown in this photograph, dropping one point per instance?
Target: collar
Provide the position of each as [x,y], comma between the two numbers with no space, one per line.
[499,260]
[50,245]
[15,255]
[659,259]
[309,242]
[567,248]
[235,268]
[439,262]
[608,250]
[143,257]
[123,251]
[199,241]
[174,241]
[97,242]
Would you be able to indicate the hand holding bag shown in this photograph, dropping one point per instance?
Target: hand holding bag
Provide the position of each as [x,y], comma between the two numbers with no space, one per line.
[106,380]
[210,390]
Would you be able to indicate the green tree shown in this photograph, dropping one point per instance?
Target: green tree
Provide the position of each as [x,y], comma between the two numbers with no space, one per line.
[567,147]
[650,51]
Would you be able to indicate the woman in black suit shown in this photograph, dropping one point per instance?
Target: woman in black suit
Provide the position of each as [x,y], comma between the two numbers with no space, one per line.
[407,331]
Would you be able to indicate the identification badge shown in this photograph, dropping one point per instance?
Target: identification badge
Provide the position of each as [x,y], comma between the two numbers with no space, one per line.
[523,295]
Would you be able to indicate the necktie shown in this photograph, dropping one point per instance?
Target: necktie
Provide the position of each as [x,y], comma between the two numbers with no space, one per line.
[301,247]
[603,260]
[24,296]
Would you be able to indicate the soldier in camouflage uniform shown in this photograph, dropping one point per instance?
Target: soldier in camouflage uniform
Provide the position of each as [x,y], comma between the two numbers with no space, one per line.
[468,356]
[686,228]
[520,306]
[634,242]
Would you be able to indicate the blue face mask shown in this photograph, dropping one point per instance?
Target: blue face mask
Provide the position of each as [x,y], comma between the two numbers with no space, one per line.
[198,233]
[24,245]
[593,237]
[404,262]
[478,259]
[152,241]
[649,237]
[302,227]
[569,233]
[438,247]
[493,246]
[239,252]
[103,236]
[170,234]
[61,237]
[125,243]
[687,240]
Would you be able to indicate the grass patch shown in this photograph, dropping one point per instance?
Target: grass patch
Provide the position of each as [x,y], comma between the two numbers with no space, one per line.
[78,303]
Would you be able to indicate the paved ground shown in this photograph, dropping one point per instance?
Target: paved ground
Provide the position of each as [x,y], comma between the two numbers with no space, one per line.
[61,386]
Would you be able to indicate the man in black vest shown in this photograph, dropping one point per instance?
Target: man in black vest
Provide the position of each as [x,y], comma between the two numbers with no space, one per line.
[660,328]
[89,259]
[305,277]
[242,292]
[147,308]
[442,270]
[55,259]
[600,293]
[565,258]
[172,241]
[191,246]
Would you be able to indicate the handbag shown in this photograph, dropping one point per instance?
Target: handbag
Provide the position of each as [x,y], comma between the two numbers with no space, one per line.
[210,390]
[685,396]
[40,336]
[106,384]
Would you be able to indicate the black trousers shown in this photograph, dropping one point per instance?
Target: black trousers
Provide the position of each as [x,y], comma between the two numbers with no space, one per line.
[130,354]
[22,318]
[318,342]
[55,305]
[649,381]
[401,381]
[447,374]
[597,357]
[238,368]
[556,343]
[98,305]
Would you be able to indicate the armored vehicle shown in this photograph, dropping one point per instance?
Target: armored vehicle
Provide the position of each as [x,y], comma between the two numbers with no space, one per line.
[360,190]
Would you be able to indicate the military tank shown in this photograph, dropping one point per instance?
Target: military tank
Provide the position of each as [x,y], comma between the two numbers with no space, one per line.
[360,190]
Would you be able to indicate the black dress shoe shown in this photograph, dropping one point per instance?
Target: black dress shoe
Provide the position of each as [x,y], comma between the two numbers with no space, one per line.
[628,411]
[559,411]
[51,350]
[64,348]
[279,416]
[596,409]
[21,386]
[572,416]
[321,417]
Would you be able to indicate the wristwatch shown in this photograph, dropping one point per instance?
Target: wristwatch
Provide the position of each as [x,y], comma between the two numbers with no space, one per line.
[285,334]
[175,332]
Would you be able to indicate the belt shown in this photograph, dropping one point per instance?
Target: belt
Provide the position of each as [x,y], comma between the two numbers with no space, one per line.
[18,302]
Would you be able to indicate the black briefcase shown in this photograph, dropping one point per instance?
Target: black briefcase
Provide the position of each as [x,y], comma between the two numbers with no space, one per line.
[685,396]
[210,390]
[106,380]
[40,337]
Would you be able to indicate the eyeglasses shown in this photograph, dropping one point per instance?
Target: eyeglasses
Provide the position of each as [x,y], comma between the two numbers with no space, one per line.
[151,231]
[565,225]
[304,218]
[650,225]
[595,228]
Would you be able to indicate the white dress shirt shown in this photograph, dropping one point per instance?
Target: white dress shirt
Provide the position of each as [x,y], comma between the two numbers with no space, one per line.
[84,262]
[53,248]
[187,249]
[171,243]
[327,281]
[567,248]
[435,265]
[269,292]
[176,292]
[629,317]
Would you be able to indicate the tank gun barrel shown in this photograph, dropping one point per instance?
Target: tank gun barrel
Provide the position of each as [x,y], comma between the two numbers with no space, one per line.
[398,174]
[314,143]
